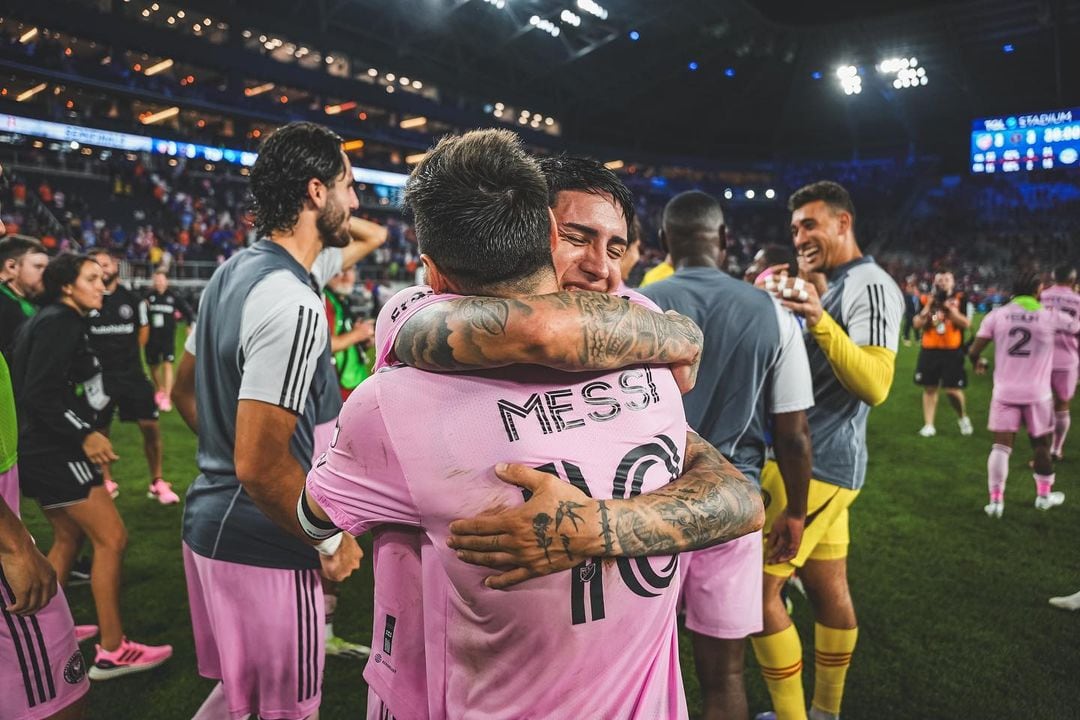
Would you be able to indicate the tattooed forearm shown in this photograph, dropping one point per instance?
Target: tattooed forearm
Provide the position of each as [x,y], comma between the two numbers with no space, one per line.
[711,503]
[566,510]
[605,528]
[566,330]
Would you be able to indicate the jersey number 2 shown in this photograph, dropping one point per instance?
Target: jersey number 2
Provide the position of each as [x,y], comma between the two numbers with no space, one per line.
[1020,347]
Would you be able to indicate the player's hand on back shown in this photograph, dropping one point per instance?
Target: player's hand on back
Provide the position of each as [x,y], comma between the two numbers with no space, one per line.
[686,372]
[98,449]
[340,565]
[549,533]
[31,577]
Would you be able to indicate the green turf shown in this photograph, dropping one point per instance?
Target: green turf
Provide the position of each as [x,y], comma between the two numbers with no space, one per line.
[952,606]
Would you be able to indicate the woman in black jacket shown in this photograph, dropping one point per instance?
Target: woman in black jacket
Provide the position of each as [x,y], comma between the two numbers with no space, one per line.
[58,391]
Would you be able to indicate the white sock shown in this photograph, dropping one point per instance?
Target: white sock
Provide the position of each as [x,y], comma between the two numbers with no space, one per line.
[1069,602]
[214,707]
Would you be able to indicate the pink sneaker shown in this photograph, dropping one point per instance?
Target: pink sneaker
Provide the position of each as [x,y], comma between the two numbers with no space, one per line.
[163,492]
[112,488]
[159,399]
[85,632]
[130,657]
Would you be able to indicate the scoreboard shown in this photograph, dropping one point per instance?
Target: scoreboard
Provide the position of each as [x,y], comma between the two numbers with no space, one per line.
[1019,143]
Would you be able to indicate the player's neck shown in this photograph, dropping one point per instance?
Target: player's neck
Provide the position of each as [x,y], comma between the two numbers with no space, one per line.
[68,302]
[14,287]
[848,252]
[696,261]
[301,242]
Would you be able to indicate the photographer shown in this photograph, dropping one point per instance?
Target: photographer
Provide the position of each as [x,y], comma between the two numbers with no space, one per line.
[942,320]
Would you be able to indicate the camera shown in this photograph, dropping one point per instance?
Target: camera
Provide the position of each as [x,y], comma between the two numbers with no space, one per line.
[940,296]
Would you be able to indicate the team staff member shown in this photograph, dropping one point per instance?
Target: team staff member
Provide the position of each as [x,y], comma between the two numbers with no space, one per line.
[852,310]
[757,376]
[118,331]
[246,384]
[942,321]
[164,308]
[59,391]
[347,337]
[22,263]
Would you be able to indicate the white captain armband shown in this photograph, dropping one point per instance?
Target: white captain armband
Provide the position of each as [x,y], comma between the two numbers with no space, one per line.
[328,535]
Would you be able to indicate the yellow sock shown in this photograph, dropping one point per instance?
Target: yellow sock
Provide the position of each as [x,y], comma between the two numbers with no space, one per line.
[832,657]
[780,657]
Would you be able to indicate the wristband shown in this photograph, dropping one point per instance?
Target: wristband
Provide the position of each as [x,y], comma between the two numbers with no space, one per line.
[313,526]
[330,545]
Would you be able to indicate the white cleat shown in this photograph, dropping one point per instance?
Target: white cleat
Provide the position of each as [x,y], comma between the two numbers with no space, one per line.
[995,509]
[1068,602]
[928,431]
[1045,502]
[965,425]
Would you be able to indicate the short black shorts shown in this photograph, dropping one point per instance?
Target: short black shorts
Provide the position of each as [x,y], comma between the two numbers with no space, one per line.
[941,367]
[61,478]
[132,394]
[160,351]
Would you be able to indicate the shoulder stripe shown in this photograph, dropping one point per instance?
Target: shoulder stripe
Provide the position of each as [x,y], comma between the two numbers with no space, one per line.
[309,345]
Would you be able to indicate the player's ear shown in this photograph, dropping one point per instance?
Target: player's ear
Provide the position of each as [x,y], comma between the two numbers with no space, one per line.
[434,277]
[553,232]
[316,192]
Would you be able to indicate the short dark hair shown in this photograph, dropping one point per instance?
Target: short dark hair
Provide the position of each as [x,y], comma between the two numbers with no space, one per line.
[1026,282]
[692,223]
[96,251]
[777,254]
[832,194]
[634,232]
[479,204]
[14,248]
[1064,273]
[62,270]
[288,159]
[570,173]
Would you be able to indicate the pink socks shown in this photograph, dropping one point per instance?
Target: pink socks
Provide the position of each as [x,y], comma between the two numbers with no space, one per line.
[997,470]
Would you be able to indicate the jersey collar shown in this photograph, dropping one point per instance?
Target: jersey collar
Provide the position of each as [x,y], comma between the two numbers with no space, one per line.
[1027,302]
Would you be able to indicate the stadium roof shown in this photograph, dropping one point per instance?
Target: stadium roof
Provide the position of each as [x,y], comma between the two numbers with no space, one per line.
[734,79]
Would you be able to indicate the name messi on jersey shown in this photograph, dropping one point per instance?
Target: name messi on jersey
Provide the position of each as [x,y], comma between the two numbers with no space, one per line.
[560,409]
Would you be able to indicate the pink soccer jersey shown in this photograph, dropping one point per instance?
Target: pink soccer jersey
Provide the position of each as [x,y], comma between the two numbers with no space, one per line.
[418,449]
[1023,350]
[1063,300]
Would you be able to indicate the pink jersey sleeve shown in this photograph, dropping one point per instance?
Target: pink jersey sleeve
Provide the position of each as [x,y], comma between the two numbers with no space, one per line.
[638,299]
[986,329]
[396,313]
[358,481]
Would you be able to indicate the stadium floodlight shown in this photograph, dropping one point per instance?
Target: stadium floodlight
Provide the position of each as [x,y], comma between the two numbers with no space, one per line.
[593,8]
[908,72]
[500,4]
[749,194]
[570,18]
[372,72]
[417,85]
[549,121]
[546,25]
[770,193]
[850,81]
[728,194]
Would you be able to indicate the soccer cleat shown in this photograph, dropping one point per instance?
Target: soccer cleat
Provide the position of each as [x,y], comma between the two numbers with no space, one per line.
[80,572]
[965,425]
[163,492]
[338,647]
[1067,602]
[85,632]
[995,509]
[1053,499]
[928,431]
[130,657]
[112,488]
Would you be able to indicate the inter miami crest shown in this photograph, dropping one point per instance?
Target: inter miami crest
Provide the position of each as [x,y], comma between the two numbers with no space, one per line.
[75,670]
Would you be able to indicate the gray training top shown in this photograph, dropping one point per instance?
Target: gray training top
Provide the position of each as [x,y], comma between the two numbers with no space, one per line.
[261,336]
[753,362]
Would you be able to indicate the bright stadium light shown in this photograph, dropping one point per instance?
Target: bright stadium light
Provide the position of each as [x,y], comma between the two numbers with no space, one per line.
[546,25]
[570,18]
[850,81]
[908,72]
[749,194]
[728,194]
[593,8]
[770,193]
[500,4]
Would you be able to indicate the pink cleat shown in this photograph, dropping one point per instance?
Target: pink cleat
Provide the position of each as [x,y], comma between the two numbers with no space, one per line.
[163,492]
[130,657]
[85,632]
[112,488]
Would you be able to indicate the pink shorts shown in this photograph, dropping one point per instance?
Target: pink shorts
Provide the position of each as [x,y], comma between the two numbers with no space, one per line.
[260,631]
[1063,382]
[721,588]
[1037,417]
[41,669]
[376,708]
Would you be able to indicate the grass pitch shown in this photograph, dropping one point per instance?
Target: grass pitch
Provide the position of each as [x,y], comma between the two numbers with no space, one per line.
[953,618]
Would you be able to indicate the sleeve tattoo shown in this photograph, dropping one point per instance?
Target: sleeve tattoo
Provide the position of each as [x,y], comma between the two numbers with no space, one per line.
[567,331]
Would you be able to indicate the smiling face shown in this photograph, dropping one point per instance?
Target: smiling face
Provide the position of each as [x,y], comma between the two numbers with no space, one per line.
[820,234]
[592,241]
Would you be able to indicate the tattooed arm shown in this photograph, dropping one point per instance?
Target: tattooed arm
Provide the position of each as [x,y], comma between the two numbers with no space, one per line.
[709,504]
[565,330]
